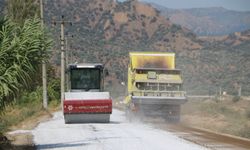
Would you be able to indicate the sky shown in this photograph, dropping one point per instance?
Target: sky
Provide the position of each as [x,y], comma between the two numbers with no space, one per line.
[239,5]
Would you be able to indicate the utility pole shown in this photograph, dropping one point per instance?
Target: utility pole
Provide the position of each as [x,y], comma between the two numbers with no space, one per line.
[220,92]
[62,61]
[66,50]
[44,73]
[62,23]
[67,46]
[239,91]
[67,62]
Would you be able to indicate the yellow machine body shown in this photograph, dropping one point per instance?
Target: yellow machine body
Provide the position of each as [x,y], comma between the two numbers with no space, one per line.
[154,81]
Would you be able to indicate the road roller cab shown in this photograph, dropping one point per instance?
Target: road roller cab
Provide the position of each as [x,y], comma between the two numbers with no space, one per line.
[85,100]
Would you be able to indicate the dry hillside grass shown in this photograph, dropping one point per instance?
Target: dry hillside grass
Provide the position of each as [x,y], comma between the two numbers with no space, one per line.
[225,116]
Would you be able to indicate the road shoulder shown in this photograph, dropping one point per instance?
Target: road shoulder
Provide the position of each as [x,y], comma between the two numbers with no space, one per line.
[20,137]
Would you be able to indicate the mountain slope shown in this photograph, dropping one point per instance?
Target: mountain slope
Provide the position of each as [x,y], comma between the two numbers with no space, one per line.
[107,30]
[221,64]
[208,21]
[131,21]
[2,4]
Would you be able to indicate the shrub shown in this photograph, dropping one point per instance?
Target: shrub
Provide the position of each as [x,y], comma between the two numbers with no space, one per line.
[2,127]
[30,96]
[236,99]
[244,132]
[175,28]
[216,98]
[26,106]
[248,113]
[54,90]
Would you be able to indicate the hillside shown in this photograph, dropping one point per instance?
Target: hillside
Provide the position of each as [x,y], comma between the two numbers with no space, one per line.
[223,62]
[133,22]
[208,21]
[105,31]
[2,3]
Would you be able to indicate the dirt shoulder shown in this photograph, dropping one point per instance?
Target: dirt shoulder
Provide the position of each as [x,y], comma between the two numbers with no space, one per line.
[225,116]
[21,138]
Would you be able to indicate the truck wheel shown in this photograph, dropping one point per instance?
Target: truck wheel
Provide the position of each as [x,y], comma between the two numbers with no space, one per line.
[173,114]
[132,116]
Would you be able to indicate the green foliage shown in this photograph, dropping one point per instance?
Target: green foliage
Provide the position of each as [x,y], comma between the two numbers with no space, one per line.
[16,113]
[54,89]
[28,104]
[22,48]
[29,97]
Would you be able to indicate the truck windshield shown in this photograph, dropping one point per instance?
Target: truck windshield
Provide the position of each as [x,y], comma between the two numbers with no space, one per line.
[85,78]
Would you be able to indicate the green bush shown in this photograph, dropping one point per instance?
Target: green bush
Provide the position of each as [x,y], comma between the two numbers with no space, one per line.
[54,90]
[30,97]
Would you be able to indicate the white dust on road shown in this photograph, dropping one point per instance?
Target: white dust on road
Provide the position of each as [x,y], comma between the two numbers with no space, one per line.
[117,135]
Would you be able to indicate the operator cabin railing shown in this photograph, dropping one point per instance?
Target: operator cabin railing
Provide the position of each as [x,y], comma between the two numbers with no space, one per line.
[157,82]
[159,93]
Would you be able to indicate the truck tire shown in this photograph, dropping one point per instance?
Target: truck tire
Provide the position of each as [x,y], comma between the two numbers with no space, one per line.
[173,114]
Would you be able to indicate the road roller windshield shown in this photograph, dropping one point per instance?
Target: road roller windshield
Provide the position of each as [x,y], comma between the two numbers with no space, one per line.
[85,78]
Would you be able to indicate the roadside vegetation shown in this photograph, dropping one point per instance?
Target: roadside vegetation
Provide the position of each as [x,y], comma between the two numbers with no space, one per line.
[225,116]
[22,48]
[24,45]
[28,106]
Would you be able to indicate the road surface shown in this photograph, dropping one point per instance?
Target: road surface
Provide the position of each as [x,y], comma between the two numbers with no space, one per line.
[117,135]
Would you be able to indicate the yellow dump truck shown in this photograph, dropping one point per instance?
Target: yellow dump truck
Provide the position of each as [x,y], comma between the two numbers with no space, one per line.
[154,86]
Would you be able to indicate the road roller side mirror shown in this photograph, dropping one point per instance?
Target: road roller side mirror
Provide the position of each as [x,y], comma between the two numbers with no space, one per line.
[106,72]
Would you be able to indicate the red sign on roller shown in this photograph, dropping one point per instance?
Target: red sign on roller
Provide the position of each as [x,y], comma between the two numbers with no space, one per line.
[88,106]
